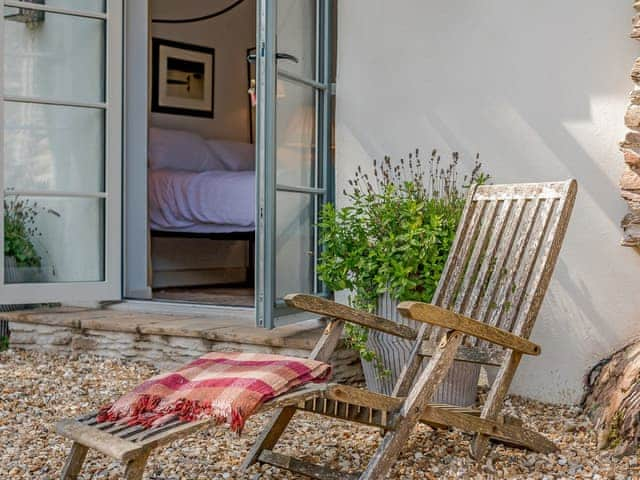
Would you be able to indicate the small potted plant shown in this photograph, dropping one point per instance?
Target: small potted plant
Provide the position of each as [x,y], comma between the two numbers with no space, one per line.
[390,244]
[23,262]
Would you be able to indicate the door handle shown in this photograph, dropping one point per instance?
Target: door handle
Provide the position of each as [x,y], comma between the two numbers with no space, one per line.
[251,58]
[287,56]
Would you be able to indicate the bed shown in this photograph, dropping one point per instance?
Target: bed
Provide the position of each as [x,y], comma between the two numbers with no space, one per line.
[208,202]
[201,188]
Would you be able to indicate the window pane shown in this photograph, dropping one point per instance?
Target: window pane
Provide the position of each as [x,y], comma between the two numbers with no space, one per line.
[297,36]
[294,243]
[82,5]
[62,58]
[295,134]
[53,239]
[53,148]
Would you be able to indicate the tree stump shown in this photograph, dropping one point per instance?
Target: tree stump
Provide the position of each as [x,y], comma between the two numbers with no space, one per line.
[612,400]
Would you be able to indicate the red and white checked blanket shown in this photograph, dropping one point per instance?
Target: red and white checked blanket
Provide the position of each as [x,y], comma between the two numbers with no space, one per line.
[227,387]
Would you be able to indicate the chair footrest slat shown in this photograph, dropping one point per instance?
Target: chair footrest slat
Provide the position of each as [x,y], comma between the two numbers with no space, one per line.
[92,437]
[304,468]
[508,432]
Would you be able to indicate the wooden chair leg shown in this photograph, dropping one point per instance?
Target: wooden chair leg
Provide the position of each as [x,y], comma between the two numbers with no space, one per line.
[135,467]
[414,406]
[282,416]
[495,400]
[74,461]
[269,435]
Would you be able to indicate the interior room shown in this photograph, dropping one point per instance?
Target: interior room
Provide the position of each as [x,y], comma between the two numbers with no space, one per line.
[201,170]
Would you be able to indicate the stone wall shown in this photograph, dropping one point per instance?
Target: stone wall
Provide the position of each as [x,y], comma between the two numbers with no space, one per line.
[164,351]
[630,146]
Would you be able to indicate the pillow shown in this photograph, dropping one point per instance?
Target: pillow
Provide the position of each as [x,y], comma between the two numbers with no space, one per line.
[235,156]
[180,150]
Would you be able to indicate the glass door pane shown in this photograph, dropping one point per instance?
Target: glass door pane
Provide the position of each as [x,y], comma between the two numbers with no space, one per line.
[296,117]
[294,91]
[297,33]
[60,137]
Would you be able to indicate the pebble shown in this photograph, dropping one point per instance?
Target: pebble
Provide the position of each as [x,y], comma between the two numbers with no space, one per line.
[37,389]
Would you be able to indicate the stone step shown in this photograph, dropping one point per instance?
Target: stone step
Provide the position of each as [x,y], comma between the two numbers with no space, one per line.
[166,341]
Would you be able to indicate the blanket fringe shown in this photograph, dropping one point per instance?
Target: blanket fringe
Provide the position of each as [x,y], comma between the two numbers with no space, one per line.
[148,412]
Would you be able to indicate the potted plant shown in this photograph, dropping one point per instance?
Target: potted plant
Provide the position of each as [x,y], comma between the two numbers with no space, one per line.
[22,261]
[390,244]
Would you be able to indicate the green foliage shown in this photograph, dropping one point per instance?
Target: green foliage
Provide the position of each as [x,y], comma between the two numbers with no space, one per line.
[4,343]
[395,234]
[21,231]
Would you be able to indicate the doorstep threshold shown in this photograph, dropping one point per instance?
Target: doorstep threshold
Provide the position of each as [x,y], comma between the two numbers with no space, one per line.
[181,308]
[214,328]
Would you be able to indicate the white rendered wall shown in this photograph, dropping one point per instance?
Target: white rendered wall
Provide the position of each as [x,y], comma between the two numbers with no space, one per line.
[540,90]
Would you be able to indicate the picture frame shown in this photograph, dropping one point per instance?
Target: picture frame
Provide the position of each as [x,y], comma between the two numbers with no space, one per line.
[183,78]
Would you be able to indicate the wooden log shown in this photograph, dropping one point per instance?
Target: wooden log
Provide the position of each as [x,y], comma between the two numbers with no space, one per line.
[322,306]
[612,400]
[441,317]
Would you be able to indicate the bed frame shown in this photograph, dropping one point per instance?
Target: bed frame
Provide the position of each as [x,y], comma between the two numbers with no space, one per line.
[244,236]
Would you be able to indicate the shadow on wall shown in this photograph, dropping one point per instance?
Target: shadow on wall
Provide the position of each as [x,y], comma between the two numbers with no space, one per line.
[540,90]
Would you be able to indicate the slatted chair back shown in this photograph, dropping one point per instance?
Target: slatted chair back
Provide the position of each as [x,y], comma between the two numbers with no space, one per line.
[505,251]
[501,260]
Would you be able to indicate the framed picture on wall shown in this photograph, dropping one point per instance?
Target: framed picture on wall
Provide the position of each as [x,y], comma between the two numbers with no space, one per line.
[183,78]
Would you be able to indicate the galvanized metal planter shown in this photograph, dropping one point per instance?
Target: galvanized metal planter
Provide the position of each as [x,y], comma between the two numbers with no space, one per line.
[15,274]
[458,388]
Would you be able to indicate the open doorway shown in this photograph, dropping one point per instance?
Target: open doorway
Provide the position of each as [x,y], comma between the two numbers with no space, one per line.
[201,170]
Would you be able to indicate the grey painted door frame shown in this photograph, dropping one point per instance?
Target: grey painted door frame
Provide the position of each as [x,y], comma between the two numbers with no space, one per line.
[269,307]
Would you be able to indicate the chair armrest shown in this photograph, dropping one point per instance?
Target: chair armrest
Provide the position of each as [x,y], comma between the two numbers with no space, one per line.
[426,313]
[310,303]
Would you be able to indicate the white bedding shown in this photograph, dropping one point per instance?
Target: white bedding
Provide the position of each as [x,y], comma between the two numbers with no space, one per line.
[202,202]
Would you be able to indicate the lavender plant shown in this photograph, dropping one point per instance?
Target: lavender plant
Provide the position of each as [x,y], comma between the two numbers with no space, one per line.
[21,230]
[396,232]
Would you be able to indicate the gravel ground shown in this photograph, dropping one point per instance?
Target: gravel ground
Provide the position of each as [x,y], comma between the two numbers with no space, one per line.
[37,389]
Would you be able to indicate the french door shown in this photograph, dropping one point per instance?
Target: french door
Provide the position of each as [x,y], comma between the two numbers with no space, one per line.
[60,150]
[294,174]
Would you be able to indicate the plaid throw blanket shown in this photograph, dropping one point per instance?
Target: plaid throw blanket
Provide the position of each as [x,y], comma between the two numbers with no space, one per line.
[227,387]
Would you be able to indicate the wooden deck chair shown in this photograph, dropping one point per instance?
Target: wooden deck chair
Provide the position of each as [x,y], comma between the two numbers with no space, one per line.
[497,272]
